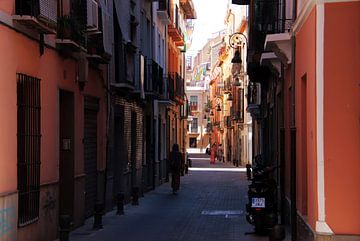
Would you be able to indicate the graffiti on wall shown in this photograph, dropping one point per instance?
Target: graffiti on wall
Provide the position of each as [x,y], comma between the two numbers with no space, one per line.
[8,223]
[49,205]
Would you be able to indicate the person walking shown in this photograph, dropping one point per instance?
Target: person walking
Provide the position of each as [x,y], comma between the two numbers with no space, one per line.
[213,153]
[176,164]
[220,153]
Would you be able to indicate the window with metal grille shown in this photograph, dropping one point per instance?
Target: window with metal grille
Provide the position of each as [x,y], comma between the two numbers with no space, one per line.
[28,146]
[194,125]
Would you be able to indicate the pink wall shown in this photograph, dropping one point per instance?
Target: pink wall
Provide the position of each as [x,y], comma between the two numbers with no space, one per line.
[341,116]
[8,118]
[306,65]
[7,6]
[20,54]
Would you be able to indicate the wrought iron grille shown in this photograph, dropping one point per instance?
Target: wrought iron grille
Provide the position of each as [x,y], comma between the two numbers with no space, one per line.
[171,87]
[268,17]
[28,146]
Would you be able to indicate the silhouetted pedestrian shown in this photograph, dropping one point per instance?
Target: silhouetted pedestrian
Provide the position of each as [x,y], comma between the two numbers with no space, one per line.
[176,163]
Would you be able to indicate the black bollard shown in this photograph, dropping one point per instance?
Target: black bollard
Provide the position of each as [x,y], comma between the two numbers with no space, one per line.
[98,208]
[120,203]
[65,226]
[277,233]
[186,169]
[135,196]
[248,171]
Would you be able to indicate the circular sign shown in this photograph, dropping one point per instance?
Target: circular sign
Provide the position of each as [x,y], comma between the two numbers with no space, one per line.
[236,39]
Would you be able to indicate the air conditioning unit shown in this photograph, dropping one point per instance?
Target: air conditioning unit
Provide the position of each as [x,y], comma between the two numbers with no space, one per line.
[92,22]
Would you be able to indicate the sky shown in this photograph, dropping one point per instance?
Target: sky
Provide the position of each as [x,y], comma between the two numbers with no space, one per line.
[210,19]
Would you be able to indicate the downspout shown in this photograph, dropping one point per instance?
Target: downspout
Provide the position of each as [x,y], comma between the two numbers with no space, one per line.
[321,226]
[152,50]
[293,212]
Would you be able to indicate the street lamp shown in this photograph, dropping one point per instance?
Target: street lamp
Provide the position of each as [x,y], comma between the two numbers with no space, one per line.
[230,98]
[235,42]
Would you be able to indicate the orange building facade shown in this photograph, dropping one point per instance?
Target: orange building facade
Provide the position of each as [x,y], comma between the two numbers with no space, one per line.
[53,126]
[327,106]
[307,119]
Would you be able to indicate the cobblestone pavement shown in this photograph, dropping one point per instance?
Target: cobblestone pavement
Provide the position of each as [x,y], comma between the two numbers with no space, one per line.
[210,206]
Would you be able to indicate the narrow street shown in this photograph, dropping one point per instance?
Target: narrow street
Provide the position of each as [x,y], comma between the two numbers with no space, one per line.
[209,206]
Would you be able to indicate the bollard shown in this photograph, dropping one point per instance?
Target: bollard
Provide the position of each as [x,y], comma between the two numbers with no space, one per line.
[186,169]
[65,226]
[120,203]
[248,171]
[135,196]
[277,233]
[98,208]
[190,162]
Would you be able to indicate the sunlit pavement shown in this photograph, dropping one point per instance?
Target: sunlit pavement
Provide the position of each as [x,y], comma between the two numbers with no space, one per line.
[209,206]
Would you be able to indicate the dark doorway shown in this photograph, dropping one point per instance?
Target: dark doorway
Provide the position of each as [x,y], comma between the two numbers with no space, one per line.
[134,128]
[66,162]
[90,153]
[192,142]
[120,151]
[149,153]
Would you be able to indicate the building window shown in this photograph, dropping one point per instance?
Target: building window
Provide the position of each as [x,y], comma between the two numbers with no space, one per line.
[193,103]
[28,146]
[188,62]
[194,125]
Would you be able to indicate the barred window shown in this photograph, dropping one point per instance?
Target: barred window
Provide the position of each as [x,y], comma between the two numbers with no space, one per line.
[194,125]
[28,146]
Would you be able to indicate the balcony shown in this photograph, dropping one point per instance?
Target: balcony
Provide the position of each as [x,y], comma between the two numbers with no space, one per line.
[194,107]
[237,109]
[189,9]
[40,15]
[153,81]
[176,85]
[228,122]
[163,11]
[171,86]
[174,29]
[70,34]
[180,90]
[280,45]
[99,45]
[268,17]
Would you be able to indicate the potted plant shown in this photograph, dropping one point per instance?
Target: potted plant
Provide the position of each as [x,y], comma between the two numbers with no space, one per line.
[69,27]
[64,25]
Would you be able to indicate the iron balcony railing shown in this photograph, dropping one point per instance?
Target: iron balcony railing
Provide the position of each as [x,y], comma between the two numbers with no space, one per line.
[171,86]
[180,92]
[164,5]
[178,85]
[268,17]
[154,78]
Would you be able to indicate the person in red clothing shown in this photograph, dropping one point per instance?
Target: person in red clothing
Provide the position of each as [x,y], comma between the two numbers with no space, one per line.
[213,153]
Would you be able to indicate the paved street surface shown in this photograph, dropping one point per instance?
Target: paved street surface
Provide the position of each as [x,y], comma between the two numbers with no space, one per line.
[210,206]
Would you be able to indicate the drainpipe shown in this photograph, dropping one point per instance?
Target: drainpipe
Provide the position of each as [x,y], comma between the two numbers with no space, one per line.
[293,213]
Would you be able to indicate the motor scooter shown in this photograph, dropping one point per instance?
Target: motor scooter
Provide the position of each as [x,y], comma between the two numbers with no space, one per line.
[261,211]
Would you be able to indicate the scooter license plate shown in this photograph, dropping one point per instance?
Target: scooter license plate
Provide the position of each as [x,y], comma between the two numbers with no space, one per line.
[258,202]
